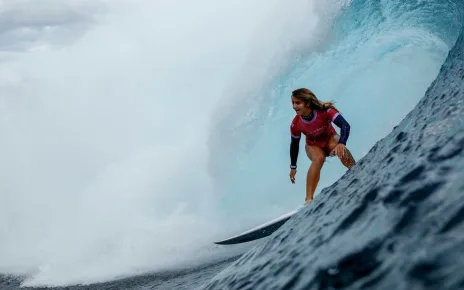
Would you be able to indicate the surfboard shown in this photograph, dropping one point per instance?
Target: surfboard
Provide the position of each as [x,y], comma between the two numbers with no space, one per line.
[260,231]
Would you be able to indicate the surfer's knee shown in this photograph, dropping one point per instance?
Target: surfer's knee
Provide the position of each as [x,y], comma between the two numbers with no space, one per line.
[318,159]
[315,154]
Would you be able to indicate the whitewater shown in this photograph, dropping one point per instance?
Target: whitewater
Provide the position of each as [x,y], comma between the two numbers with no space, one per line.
[134,134]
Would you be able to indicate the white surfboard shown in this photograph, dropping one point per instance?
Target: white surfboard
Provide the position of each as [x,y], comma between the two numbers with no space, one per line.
[260,231]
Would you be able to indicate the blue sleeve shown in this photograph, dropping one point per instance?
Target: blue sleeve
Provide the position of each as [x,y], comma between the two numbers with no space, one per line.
[344,129]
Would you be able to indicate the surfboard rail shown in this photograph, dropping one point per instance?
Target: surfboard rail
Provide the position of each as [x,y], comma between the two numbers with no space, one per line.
[258,232]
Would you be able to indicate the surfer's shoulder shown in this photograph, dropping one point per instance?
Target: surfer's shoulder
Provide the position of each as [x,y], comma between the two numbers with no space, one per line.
[331,113]
[331,110]
[295,121]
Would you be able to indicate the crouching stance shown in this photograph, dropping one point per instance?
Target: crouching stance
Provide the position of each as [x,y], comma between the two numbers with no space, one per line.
[314,119]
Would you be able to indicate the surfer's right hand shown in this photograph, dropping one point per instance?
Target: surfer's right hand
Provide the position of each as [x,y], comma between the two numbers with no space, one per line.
[292,175]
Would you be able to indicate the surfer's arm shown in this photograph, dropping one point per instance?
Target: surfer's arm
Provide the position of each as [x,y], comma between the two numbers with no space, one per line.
[294,148]
[295,144]
[344,128]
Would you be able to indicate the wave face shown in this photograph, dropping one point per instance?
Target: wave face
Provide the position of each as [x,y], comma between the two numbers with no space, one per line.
[393,221]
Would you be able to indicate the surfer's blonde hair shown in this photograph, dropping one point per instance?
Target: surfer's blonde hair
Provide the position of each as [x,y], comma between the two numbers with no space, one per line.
[310,98]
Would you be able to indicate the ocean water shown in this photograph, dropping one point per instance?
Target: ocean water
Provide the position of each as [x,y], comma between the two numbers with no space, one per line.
[123,217]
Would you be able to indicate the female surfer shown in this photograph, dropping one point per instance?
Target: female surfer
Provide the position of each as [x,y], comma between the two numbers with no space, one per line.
[314,119]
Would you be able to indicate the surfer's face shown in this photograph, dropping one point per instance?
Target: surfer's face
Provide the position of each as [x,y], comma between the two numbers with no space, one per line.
[300,107]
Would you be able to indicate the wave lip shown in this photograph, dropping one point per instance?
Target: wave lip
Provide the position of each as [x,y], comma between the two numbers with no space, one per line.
[393,221]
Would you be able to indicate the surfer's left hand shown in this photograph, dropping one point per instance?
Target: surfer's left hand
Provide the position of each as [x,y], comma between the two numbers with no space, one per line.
[339,150]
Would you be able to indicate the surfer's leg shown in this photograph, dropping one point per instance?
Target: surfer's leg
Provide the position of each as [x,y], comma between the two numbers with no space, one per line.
[317,157]
[347,158]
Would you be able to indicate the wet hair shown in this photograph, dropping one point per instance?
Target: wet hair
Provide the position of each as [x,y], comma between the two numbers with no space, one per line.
[310,98]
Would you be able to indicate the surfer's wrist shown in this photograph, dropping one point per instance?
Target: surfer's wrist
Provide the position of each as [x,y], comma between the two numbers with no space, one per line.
[292,166]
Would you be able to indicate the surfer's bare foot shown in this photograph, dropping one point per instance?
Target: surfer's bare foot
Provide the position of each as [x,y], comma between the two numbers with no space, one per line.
[308,201]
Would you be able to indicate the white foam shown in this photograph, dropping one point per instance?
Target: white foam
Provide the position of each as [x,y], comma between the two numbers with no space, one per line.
[105,137]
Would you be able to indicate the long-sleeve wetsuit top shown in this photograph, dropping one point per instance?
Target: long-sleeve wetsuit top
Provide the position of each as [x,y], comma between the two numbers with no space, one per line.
[317,127]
